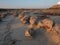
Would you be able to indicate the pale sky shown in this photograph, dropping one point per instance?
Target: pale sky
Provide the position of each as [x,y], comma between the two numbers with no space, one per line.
[27,3]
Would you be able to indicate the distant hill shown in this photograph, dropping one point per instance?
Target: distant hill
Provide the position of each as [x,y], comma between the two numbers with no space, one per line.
[54,10]
[55,7]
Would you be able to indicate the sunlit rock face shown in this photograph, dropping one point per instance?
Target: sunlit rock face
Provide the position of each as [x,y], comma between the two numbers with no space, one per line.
[32,20]
[29,33]
[48,24]
[21,16]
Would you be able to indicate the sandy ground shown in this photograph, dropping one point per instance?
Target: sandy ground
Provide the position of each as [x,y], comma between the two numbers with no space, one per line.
[42,37]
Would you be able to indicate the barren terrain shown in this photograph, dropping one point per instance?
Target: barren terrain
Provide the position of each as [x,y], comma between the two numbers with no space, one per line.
[43,37]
